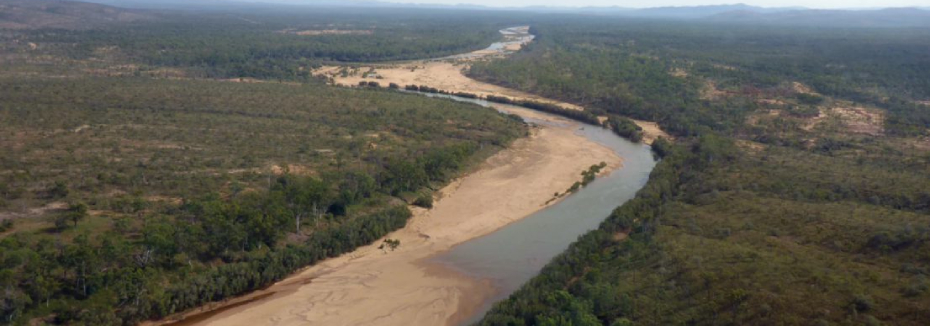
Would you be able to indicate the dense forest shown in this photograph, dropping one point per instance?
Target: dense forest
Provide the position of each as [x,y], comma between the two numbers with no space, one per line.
[650,70]
[156,196]
[265,42]
[794,193]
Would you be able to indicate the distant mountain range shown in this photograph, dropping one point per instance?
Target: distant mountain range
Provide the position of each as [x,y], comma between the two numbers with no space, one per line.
[22,14]
[693,12]
[797,16]
[67,14]
[892,17]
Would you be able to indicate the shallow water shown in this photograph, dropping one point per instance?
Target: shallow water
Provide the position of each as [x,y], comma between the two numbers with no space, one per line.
[513,35]
[511,256]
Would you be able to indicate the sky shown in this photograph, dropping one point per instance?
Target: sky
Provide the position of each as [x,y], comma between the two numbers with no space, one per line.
[661,3]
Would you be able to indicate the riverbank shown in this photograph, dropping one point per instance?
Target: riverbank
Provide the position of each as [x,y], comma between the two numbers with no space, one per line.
[405,287]
[374,286]
[448,75]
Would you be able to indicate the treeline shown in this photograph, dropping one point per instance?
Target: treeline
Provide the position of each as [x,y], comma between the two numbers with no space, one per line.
[433,90]
[624,127]
[577,115]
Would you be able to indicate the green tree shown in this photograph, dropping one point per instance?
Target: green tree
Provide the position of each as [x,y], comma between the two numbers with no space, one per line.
[77,212]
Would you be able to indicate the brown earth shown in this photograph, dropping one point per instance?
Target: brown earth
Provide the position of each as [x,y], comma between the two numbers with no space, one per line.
[327,32]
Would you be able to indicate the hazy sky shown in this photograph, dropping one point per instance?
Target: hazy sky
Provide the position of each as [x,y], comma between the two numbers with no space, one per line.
[658,3]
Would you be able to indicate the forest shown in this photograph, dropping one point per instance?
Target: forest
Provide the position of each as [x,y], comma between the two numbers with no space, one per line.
[129,199]
[154,165]
[630,68]
[280,43]
[151,166]
[794,191]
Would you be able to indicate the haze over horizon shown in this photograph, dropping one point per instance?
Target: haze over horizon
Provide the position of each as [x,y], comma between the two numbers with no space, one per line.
[824,4]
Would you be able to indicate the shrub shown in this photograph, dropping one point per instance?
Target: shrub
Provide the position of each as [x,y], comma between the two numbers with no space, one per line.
[6,225]
[621,322]
[916,288]
[625,128]
[809,99]
[862,303]
[424,200]
[465,95]
[872,321]
[59,190]
[661,147]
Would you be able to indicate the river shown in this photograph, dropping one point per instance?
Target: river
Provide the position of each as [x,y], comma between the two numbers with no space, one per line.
[514,254]
[513,36]
[487,235]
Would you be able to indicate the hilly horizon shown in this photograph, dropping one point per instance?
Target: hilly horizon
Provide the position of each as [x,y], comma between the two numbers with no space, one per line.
[19,14]
[58,13]
[702,8]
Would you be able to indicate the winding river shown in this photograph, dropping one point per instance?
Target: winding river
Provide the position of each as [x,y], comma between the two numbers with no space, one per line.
[478,245]
[513,36]
[516,253]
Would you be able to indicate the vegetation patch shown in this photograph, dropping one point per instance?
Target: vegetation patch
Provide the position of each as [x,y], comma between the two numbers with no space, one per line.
[128,199]
[772,207]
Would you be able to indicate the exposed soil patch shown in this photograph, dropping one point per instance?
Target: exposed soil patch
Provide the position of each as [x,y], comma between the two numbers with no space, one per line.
[812,122]
[914,143]
[311,32]
[724,67]
[248,80]
[292,169]
[711,92]
[34,211]
[756,118]
[803,89]
[620,236]
[851,120]
[165,199]
[769,101]
[861,120]
[750,146]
